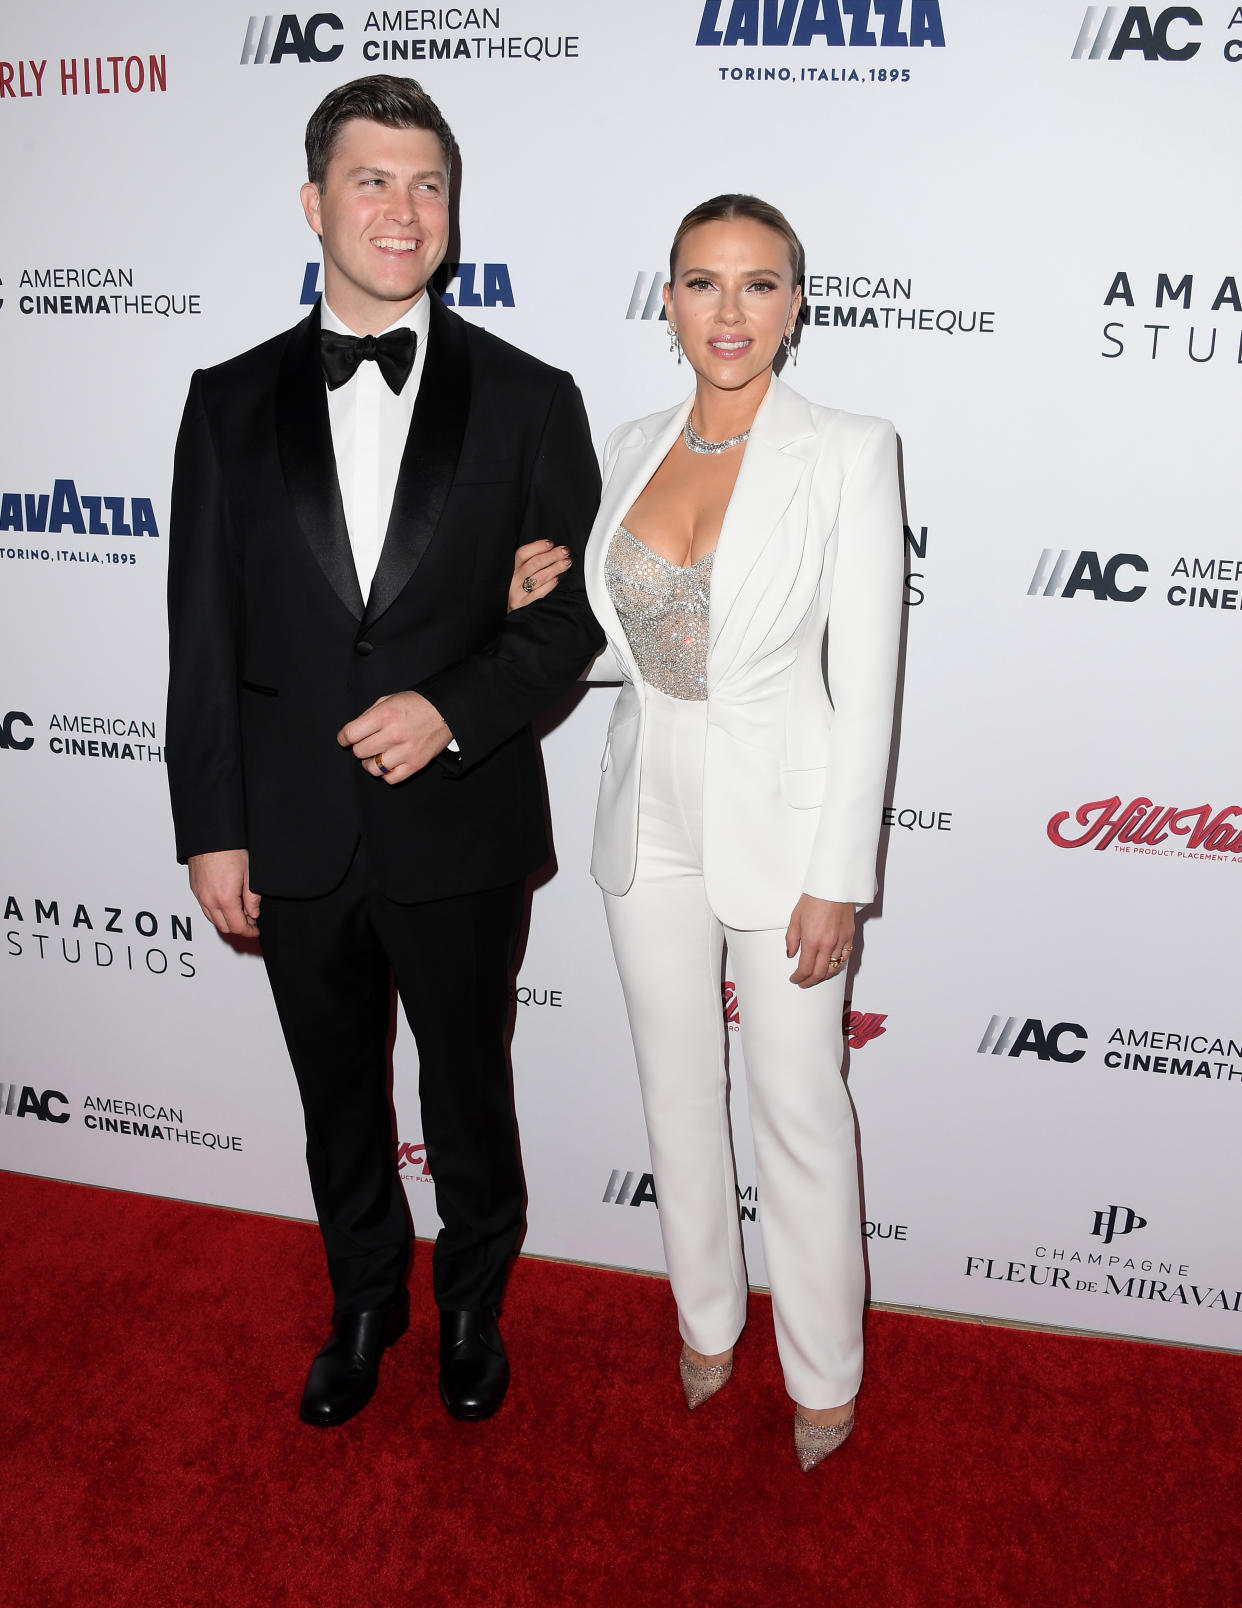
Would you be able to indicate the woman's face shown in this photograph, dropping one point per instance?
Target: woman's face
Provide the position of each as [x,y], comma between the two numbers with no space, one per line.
[732,299]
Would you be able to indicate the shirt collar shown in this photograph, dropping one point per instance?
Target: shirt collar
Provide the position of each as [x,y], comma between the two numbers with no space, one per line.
[418,319]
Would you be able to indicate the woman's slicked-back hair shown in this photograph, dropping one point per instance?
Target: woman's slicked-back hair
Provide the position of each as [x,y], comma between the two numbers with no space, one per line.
[381,98]
[723,209]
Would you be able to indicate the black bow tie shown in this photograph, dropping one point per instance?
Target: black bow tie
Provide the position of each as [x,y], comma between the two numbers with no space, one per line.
[394,352]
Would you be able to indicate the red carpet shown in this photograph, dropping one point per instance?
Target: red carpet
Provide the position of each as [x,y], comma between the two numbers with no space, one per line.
[152,1458]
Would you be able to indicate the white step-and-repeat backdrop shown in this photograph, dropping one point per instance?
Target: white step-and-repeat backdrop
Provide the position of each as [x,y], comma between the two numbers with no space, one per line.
[1023,247]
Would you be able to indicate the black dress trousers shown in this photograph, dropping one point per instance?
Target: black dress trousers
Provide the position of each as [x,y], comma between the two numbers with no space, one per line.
[331,961]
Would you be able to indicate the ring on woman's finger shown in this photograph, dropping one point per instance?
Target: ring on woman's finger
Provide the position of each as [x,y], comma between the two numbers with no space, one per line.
[379,763]
[529,583]
[837,960]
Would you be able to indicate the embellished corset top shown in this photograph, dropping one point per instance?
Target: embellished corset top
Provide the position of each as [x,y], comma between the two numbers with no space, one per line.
[663,612]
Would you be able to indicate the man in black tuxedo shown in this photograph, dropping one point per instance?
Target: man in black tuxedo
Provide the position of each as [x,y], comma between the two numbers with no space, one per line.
[349,715]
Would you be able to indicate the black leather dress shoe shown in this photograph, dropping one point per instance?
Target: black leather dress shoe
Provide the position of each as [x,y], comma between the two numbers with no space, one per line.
[344,1375]
[474,1371]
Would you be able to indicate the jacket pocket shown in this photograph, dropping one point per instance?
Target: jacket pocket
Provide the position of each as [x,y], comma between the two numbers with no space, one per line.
[803,785]
[256,686]
[615,728]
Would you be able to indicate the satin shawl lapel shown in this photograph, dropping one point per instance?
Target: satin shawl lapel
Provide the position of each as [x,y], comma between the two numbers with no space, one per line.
[429,461]
[633,467]
[776,458]
[304,444]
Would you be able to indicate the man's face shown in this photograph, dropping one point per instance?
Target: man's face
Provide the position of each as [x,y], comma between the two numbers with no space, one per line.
[383,217]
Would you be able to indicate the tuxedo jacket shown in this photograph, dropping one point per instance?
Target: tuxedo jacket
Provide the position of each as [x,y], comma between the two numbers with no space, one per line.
[803,625]
[273,649]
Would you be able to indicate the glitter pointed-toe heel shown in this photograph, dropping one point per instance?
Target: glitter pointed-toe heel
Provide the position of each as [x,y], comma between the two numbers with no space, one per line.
[701,1381]
[814,1442]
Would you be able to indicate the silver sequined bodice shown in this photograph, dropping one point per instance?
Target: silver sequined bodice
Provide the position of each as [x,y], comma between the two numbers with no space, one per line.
[663,611]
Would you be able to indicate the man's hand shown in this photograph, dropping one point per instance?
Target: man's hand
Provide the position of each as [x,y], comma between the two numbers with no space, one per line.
[399,734]
[821,934]
[221,884]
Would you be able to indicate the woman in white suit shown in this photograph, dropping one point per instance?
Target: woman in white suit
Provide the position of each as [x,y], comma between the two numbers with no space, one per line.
[746,566]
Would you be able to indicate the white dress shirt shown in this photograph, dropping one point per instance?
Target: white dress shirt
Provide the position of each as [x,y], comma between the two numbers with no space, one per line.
[369,429]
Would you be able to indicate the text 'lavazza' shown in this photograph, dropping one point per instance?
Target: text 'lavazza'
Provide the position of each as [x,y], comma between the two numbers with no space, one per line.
[887,24]
[66,511]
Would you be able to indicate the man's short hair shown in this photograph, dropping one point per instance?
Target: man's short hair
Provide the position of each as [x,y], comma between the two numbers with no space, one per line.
[380,98]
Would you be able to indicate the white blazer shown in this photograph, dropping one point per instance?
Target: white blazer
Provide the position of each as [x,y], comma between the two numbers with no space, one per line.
[803,625]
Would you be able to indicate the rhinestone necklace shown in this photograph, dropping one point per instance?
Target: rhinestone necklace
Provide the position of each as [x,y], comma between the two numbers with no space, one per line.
[696,442]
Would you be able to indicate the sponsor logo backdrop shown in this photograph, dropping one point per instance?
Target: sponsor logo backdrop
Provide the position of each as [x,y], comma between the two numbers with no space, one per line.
[1015,243]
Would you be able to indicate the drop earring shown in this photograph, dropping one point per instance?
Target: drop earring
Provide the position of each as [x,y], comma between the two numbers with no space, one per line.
[791,351]
[674,343]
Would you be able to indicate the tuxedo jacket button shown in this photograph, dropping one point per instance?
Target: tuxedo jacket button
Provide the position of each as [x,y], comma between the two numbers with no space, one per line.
[363,648]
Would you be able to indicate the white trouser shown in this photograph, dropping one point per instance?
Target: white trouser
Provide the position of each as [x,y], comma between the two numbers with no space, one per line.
[669,949]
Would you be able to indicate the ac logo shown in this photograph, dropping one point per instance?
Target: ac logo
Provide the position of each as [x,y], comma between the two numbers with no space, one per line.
[1064,574]
[620,1189]
[271,39]
[1107,35]
[1004,1037]
[8,738]
[646,299]
[25,1102]
[1115,1220]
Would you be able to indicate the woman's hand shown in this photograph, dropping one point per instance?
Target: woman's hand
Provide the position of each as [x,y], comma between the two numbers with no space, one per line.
[535,569]
[821,934]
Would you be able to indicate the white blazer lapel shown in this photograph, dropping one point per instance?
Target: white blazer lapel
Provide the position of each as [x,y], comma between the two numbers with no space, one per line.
[636,460]
[777,456]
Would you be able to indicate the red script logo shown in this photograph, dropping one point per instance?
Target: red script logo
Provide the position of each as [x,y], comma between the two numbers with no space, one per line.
[1144,823]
